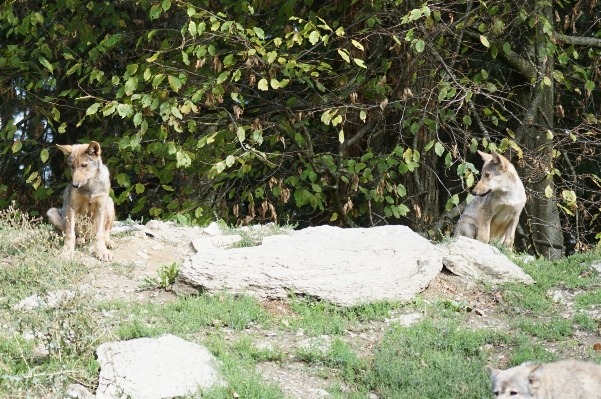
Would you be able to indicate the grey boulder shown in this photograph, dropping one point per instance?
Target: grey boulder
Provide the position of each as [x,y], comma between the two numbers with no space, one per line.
[154,368]
[479,262]
[344,266]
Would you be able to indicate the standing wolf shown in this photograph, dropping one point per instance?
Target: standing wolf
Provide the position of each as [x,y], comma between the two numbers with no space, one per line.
[500,197]
[87,195]
[563,379]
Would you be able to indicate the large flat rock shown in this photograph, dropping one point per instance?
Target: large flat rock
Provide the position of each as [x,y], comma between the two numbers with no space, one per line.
[154,368]
[344,266]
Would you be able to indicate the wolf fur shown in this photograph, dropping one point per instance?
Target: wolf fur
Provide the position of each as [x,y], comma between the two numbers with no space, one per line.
[494,212]
[563,379]
[86,195]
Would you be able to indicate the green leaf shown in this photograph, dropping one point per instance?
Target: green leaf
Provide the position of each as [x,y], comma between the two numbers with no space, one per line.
[344,55]
[314,37]
[260,33]
[44,155]
[125,110]
[341,136]
[175,83]
[274,84]
[438,148]
[131,85]
[223,77]
[153,58]
[192,28]
[139,188]
[484,41]
[156,81]
[56,114]
[420,45]
[548,192]
[467,120]
[166,5]
[360,62]
[46,63]
[263,85]
[16,146]
[357,44]
[506,48]
[241,134]
[92,109]
[155,12]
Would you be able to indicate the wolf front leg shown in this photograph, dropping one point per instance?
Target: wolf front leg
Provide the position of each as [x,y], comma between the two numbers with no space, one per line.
[484,231]
[102,252]
[510,232]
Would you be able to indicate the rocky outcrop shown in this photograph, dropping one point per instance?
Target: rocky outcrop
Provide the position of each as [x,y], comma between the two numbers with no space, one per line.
[343,266]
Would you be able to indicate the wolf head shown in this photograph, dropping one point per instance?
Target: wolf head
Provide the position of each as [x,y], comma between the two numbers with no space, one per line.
[84,161]
[495,174]
[520,382]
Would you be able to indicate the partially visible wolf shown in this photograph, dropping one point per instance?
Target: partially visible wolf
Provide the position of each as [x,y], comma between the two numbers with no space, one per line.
[86,195]
[499,199]
[563,379]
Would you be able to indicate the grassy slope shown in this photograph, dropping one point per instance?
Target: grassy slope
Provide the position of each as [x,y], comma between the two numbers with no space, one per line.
[440,356]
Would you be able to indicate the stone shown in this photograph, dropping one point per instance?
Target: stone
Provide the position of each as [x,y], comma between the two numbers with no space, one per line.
[212,229]
[76,391]
[344,266]
[405,320]
[154,368]
[51,300]
[476,261]
[215,242]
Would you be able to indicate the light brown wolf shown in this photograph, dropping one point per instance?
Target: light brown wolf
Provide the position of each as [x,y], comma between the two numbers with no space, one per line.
[563,379]
[86,195]
[499,199]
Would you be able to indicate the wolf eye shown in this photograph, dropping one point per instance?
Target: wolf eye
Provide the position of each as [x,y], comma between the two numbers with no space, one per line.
[513,393]
[84,165]
[487,175]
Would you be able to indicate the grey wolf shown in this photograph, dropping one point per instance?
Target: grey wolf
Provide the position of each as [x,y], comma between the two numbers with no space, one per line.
[563,379]
[87,195]
[494,212]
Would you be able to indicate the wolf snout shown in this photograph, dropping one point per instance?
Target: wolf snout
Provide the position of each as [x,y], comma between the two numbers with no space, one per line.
[484,194]
[78,184]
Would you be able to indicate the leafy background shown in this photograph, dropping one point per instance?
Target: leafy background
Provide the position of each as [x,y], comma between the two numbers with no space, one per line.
[354,113]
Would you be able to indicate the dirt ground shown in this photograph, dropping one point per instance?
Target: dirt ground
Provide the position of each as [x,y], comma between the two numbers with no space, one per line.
[141,250]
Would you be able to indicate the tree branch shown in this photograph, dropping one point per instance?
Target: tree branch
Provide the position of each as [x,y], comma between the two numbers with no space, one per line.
[578,40]
[520,65]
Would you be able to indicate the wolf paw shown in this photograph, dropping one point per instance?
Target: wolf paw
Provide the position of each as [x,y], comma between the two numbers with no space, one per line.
[109,244]
[105,256]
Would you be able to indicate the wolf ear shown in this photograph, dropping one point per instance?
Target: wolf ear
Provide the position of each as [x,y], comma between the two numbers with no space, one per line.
[492,372]
[66,149]
[499,160]
[93,149]
[486,157]
[535,376]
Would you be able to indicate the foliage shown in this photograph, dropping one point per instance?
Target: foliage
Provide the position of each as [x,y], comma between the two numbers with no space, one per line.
[348,112]
[166,275]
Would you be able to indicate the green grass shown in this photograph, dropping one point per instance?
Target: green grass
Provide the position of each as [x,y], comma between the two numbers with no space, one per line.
[442,356]
[432,360]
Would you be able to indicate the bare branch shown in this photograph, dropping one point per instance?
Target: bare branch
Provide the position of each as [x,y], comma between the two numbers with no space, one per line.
[578,40]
